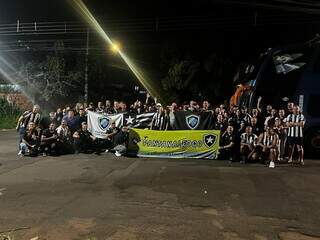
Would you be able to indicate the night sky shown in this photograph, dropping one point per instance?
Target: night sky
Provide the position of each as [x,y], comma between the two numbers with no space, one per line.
[234,29]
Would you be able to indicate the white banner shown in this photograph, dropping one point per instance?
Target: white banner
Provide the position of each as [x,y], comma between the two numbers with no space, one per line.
[99,123]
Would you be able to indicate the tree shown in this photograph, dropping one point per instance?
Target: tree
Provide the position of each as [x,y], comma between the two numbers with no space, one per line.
[181,79]
[208,78]
[51,79]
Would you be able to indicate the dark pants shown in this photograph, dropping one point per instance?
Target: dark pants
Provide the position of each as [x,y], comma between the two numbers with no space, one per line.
[49,147]
[64,147]
[226,154]
[86,146]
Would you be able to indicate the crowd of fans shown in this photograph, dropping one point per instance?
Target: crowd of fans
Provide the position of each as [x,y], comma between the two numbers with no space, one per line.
[265,135]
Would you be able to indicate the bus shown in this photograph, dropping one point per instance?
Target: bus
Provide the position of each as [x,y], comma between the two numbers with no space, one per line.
[282,75]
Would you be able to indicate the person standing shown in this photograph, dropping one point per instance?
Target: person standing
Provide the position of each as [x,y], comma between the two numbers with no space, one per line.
[226,149]
[72,121]
[160,120]
[295,123]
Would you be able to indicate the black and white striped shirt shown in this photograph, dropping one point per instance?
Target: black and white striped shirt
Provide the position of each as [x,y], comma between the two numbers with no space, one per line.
[267,140]
[295,131]
[159,121]
[248,138]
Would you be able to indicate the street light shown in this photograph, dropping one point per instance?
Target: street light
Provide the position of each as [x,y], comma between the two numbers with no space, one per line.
[115,47]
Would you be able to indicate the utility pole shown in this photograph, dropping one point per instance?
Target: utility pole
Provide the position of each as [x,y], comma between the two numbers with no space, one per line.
[86,69]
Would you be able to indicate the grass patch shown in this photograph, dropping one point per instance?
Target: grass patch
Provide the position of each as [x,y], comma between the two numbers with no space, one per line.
[8,122]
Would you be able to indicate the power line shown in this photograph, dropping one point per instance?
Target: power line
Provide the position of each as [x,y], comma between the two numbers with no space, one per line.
[148,24]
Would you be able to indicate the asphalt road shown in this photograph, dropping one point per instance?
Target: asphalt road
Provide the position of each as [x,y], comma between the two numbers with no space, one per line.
[104,197]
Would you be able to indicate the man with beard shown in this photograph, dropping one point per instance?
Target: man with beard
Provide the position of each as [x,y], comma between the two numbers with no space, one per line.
[82,116]
[84,141]
[48,144]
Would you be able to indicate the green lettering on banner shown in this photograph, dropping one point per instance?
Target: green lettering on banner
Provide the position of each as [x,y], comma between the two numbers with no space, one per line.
[174,144]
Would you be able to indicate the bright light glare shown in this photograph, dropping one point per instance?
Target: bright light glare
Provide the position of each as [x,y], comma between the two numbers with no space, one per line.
[115,47]
[6,68]
[84,11]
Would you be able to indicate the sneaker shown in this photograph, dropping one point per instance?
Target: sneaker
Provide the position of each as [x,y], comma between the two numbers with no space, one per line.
[20,154]
[302,162]
[118,154]
[290,161]
[271,165]
[107,150]
[44,154]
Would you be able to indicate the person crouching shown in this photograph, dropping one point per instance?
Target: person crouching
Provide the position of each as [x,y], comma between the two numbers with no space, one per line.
[84,141]
[30,141]
[247,145]
[48,144]
[266,148]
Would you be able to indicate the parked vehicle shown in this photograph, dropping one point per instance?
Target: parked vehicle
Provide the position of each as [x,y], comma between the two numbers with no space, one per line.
[286,74]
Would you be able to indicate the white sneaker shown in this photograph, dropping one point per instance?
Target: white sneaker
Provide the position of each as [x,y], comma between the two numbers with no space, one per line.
[106,150]
[271,165]
[20,154]
[118,154]
[302,162]
[290,161]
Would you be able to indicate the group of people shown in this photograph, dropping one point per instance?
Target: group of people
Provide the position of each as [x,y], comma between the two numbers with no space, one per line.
[264,135]
[65,132]
[261,135]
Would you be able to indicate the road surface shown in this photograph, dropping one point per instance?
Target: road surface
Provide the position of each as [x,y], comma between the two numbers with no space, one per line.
[104,197]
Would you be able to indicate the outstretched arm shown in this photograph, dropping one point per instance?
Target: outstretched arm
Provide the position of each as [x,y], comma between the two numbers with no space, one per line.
[259,104]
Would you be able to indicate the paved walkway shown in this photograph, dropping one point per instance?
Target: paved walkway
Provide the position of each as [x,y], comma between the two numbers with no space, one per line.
[104,197]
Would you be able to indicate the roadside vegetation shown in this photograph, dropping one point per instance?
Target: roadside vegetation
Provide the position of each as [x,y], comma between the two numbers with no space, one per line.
[9,113]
